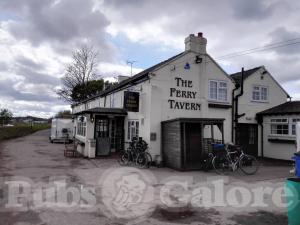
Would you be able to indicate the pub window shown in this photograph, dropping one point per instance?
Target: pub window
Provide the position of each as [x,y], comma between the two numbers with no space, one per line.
[133,129]
[294,121]
[81,128]
[218,90]
[280,126]
[259,93]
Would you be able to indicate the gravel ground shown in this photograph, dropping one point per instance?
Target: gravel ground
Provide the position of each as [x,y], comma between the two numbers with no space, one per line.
[37,162]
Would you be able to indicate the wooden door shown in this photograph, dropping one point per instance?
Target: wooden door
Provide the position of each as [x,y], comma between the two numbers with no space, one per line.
[193,145]
[102,136]
[247,138]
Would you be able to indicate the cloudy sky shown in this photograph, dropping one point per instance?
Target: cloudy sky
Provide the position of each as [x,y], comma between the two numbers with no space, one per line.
[37,38]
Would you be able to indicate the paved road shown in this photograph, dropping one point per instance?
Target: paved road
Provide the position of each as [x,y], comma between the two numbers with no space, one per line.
[37,162]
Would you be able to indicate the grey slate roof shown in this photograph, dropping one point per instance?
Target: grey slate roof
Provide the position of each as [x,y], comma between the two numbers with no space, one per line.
[132,80]
[115,111]
[247,73]
[292,107]
[238,76]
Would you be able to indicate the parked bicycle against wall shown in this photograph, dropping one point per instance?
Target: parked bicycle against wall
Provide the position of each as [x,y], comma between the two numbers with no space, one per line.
[229,158]
[136,154]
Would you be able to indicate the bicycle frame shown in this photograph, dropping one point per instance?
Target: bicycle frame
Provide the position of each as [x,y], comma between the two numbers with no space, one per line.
[234,164]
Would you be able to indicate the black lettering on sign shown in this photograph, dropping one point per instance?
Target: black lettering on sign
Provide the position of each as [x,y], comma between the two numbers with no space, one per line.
[174,92]
[184,105]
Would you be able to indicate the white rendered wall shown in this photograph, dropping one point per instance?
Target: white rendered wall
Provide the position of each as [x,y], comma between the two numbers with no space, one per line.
[199,74]
[283,151]
[276,96]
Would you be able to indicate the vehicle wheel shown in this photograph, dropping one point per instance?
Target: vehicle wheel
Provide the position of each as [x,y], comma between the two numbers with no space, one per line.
[249,164]
[142,160]
[221,165]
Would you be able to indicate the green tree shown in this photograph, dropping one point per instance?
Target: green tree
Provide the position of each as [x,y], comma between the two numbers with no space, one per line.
[5,116]
[64,114]
[82,91]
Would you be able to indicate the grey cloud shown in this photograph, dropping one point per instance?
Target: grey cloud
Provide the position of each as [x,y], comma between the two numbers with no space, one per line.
[65,24]
[29,63]
[3,66]
[282,34]
[252,10]
[7,90]
[31,72]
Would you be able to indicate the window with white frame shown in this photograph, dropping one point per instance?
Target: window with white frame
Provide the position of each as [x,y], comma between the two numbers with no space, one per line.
[81,128]
[133,129]
[280,126]
[218,90]
[260,93]
[294,121]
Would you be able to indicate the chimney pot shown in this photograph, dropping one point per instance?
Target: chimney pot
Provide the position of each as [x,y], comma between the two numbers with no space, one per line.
[196,43]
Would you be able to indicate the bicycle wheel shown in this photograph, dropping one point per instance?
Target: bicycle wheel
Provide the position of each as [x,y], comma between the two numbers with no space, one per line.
[248,164]
[221,165]
[124,159]
[142,160]
[149,158]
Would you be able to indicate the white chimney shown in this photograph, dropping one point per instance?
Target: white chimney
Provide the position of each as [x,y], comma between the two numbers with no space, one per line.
[122,78]
[196,43]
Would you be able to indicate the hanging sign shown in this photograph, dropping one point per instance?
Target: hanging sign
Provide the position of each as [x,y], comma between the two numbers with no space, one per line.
[131,101]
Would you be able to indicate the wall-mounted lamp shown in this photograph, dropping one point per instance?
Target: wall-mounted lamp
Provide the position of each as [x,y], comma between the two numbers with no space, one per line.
[198,59]
[262,75]
[92,118]
[81,118]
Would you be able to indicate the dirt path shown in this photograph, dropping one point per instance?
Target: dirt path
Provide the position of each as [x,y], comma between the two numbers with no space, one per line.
[34,160]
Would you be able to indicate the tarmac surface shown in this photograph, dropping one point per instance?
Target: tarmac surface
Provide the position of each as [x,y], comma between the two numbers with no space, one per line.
[100,191]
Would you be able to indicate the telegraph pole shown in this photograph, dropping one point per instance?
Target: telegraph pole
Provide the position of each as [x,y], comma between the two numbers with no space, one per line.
[130,63]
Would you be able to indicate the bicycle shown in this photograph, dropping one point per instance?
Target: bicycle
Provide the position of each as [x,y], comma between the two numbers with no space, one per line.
[136,154]
[227,160]
[144,158]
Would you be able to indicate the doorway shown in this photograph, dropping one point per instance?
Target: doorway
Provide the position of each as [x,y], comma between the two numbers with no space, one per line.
[193,140]
[109,134]
[247,138]
[102,136]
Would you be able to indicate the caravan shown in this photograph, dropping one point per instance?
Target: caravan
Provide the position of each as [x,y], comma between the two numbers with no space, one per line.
[61,130]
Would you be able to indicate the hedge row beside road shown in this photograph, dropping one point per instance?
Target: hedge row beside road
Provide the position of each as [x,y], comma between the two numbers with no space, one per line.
[19,131]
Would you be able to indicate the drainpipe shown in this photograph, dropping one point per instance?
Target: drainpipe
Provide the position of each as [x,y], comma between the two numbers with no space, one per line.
[232,111]
[236,101]
[260,122]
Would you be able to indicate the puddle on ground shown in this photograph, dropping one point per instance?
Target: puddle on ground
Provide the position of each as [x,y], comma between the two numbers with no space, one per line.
[260,218]
[185,215]
[29,217]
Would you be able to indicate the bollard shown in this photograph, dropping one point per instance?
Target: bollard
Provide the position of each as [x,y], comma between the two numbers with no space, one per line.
[297,164]
[292,192]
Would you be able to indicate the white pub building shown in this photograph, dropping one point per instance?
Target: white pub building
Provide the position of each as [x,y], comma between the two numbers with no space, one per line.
[179,107]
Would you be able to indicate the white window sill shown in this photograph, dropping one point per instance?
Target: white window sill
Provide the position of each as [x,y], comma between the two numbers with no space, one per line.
[259,101]
[282,136]
[218,102]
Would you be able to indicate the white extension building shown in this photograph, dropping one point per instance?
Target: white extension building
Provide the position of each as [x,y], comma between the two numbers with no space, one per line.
[178,107]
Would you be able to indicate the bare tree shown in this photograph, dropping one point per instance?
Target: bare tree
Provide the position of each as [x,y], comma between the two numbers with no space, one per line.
[79,72]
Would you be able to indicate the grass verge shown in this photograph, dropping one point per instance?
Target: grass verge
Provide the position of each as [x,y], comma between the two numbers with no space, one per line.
[19,131]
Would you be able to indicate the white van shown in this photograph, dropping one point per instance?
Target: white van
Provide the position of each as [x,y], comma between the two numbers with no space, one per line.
[61,130]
